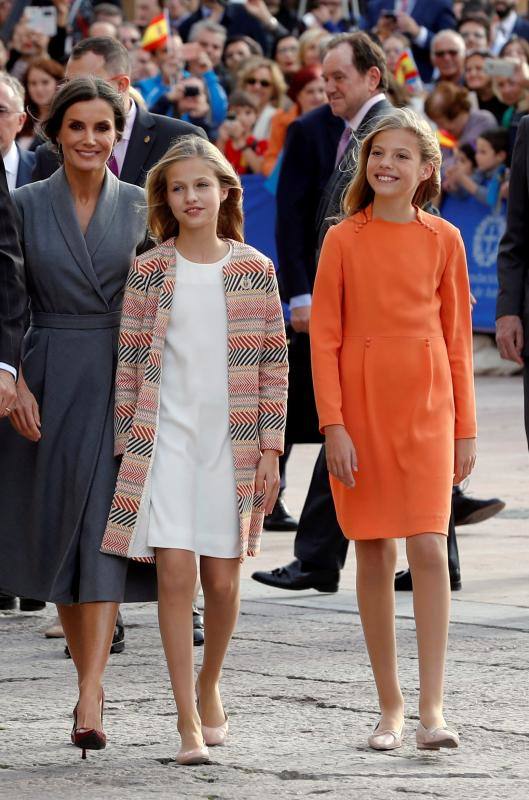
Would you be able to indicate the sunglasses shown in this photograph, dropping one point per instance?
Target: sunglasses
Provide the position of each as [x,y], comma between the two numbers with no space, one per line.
[442,53]
[254,81]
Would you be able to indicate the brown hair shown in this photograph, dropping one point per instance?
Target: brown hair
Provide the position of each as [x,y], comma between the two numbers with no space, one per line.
[359,193]
[366,53]
[160,219]
[447,100]
[55,71]
[276,77]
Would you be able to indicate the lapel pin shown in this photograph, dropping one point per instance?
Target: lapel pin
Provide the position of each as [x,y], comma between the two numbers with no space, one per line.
[246,282]
[147,139]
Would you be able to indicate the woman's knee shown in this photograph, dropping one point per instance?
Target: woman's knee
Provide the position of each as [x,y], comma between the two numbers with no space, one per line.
[221,588]
[376,554]
[175,575]
[427,551]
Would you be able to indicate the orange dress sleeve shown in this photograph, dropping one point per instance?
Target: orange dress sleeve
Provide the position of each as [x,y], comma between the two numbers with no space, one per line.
[278,134]
[456,320]
[326,331]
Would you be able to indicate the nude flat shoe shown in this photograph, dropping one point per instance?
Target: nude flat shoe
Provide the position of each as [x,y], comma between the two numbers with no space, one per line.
[216,737]
[187,758]
[435,738]
[386,740]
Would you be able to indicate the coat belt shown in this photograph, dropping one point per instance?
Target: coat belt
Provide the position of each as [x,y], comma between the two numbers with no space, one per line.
[76,322]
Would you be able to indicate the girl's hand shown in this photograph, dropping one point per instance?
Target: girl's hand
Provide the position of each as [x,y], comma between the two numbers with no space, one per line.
[465,458]
[25,417]
[341,454]
[267,479]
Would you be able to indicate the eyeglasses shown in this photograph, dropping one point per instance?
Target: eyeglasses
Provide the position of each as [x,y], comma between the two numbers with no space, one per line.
[474,35]
[4,112]
[262,82]
[442,53]
[288,49]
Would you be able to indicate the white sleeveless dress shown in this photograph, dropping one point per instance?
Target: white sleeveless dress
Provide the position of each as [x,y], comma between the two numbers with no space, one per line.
[193,496]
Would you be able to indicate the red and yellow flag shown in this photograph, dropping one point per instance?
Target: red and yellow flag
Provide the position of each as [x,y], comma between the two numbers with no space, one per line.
[156,33]
[446,139]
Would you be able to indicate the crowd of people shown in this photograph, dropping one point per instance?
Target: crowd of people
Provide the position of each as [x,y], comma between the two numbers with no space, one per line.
[358,112]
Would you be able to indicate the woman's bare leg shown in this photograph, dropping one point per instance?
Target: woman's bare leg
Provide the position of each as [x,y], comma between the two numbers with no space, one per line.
[220,585]
[177,572]
[427,557]
[89,628]
[375,571]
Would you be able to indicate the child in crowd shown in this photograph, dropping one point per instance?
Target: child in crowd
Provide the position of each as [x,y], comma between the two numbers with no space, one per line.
[486,182]
[200,415]
[392,368]
[243,151]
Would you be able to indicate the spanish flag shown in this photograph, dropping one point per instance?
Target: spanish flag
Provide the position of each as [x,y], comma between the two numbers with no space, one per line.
[156,33]
[446,140]
[406,70]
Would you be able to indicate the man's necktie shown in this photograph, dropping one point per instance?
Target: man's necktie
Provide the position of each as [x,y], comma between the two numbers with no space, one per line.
[345,138]
[112,164]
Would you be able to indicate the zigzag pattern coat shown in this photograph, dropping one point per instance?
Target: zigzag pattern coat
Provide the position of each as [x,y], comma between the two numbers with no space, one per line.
[257,385]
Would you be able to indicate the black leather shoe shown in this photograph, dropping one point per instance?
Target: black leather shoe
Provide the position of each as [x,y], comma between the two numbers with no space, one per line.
[293,577]
[118,640]
[31,605]
[7,602]
[468,510]
[198,627]
[280,519]
[403,581]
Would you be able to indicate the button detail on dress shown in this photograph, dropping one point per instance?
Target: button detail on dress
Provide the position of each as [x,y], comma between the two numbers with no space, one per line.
[246,282]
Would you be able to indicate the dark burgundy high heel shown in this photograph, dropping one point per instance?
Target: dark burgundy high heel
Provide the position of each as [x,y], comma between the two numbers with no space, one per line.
[89,738]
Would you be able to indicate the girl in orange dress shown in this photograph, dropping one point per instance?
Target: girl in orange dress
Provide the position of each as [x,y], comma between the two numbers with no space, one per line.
[391,342]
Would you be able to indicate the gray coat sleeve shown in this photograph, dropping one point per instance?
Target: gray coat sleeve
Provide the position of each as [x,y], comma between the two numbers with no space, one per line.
[12,284]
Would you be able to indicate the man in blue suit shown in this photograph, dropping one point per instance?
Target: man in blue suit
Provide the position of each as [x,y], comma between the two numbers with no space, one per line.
[18,164]
[419,20]
[509,24]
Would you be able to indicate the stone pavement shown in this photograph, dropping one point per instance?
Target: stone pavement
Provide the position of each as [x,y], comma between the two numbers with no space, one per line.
[297,683]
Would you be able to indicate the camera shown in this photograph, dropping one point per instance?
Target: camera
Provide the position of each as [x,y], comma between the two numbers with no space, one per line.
[191,91]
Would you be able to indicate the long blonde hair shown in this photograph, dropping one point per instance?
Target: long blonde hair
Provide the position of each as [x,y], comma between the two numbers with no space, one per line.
[359,194]
[160,219]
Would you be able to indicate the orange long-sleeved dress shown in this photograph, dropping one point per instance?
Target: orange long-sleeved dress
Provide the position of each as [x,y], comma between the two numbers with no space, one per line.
[391,342]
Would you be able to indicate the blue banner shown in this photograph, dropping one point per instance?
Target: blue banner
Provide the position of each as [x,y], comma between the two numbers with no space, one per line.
[481,228]
[259,215]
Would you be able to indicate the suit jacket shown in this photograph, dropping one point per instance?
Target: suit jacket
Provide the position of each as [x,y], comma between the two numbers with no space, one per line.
[151,137]
[330,207]
[236,20]
[521,28]
[434,15]
[26,165]
[257,386]
[12,288]
[308,163]
[513,254]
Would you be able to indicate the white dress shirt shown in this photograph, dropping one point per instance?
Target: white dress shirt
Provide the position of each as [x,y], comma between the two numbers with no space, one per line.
[11,162]
[503,31]
[120,150]
[306,299]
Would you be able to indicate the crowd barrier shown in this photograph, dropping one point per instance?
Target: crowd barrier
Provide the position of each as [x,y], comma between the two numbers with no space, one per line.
[480,227]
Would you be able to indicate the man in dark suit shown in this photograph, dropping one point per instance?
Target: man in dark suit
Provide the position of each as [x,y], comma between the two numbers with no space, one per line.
[251,19]
[512,310]
[419,20]
[509,23]
[146,137]
[12,312]
[18,164]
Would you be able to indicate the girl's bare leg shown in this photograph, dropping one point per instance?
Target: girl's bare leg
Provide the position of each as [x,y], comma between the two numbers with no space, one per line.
[427,557]
[220,585]
[176,571]
[89,628]
[376,560]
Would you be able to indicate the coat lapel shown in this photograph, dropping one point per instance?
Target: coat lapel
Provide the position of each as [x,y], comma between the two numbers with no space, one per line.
[103,216]
[141,142]
[64,212]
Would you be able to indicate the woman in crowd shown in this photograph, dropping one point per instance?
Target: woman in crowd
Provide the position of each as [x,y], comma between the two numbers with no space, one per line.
[392,365]
[41,81]
[80,231]
[307,91]
[285,53]
[516,47]
[220,401]
[514,93]
[263,78]
[237,50]
[310,45]
[478,80]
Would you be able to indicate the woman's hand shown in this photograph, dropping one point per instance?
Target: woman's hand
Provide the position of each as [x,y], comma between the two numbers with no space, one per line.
[267,479]
[25,417]
[464,460]
[341,454]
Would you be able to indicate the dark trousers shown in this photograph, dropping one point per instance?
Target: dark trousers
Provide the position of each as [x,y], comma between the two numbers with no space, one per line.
[283,468]
[320,543]
[526,397]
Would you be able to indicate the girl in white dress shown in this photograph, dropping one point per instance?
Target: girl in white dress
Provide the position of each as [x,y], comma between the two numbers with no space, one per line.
[194,195]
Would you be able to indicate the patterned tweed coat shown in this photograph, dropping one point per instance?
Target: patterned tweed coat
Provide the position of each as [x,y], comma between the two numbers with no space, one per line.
[257,385]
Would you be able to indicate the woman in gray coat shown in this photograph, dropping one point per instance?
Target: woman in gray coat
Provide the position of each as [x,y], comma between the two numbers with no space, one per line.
[80,232]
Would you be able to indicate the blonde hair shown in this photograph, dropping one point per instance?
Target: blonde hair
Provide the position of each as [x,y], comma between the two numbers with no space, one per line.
[359,194]
[279,86]
[160,219]
[309,37]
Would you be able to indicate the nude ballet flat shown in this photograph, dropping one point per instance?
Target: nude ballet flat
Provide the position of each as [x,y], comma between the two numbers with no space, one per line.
[435,738]
[215,737]
[187,758]
[386,740]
